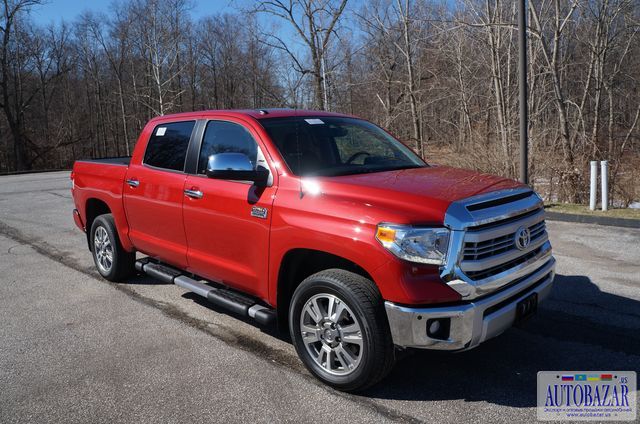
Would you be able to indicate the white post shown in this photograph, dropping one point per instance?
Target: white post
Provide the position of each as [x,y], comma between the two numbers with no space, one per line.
[594,185]
[604,170]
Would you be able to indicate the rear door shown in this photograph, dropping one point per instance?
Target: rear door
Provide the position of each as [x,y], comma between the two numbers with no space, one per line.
[227,223]
[153,194]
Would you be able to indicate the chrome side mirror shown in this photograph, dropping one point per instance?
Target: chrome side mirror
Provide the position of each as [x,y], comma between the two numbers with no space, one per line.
[236,166]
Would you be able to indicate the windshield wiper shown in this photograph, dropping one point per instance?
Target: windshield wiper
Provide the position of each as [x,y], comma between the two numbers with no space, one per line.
[373,170]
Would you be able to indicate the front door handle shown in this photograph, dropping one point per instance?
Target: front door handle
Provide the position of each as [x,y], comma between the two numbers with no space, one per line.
[133,182]
[194,194]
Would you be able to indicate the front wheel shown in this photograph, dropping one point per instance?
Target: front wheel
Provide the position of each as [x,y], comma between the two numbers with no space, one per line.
[339,329]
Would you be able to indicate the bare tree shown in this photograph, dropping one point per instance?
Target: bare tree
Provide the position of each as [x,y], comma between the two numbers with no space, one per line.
[441,75]
[113,38]
[157,39]
[14,99]
[314,21]
[551,44]
[397,24]
[48,50]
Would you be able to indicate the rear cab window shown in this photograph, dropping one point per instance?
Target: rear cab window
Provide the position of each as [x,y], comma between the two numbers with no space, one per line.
[168,144]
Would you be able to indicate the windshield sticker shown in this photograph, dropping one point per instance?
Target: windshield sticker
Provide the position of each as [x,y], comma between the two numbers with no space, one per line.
[160,131]
[314,121]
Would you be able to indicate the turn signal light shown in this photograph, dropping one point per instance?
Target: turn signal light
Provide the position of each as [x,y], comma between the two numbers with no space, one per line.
[386,235]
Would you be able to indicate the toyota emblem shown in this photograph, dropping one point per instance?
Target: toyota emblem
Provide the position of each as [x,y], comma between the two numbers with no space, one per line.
[522,238]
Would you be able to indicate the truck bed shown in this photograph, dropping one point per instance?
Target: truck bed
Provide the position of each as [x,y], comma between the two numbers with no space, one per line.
[101,180]
[119,160]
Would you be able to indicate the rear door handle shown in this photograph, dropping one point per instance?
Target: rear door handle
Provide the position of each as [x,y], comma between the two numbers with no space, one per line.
[194,194]
[133,182]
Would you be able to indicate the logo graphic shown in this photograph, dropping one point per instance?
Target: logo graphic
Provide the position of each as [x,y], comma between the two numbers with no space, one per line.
[259,212]
[522,238]
[587,396]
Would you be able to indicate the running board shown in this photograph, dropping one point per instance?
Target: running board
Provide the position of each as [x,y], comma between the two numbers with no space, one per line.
[225,298]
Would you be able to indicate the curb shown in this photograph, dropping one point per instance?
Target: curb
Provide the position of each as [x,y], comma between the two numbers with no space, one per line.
[587,219]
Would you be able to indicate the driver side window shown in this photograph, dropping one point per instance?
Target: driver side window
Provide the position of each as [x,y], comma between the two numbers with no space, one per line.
[358,144]
[226,137]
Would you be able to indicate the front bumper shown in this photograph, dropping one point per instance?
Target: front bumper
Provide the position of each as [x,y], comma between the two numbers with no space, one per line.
[471,323]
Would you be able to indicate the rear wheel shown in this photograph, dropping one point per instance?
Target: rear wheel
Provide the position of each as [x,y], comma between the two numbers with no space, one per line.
[113,262]
[339,329]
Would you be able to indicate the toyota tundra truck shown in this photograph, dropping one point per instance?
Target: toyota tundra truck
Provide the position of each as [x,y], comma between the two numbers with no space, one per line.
[323,224]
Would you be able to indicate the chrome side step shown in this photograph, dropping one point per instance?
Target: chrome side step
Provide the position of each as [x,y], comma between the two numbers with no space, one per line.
[228,299]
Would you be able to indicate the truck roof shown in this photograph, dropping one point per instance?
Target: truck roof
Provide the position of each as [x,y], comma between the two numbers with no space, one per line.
[254,113]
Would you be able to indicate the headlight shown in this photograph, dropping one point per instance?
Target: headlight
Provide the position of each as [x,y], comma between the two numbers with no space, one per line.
[415,244]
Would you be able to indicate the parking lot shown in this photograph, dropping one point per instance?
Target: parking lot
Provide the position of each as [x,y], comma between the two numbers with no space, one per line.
[76,348]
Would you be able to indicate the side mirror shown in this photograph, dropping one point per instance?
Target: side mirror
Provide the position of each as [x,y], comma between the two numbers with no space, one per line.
[236,166]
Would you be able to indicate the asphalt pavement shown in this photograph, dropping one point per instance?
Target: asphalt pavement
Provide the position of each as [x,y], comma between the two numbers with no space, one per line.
[76,348]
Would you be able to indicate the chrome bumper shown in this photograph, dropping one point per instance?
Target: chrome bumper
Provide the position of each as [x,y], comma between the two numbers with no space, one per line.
[470,324]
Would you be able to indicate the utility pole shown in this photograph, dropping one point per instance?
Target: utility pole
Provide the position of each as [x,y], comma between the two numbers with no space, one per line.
[524,117]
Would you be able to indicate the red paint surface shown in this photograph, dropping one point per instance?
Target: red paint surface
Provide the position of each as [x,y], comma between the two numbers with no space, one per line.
[216,237]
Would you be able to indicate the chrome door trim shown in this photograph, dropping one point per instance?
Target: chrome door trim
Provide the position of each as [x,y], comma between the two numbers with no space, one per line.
[194,194]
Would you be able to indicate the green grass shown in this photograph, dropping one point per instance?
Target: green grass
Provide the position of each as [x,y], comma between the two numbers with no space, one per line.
[572,208]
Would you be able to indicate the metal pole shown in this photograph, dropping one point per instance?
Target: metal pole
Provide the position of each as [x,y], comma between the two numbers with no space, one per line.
[593,189]
[604,165]
[524,118]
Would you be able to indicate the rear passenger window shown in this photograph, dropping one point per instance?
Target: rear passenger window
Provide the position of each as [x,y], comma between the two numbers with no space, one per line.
[226,137]
[168,145]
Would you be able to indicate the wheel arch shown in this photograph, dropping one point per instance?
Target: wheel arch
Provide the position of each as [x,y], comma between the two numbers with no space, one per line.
[94,207]
[299,263]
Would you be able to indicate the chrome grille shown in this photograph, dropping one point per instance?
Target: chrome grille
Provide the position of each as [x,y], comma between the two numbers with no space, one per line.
[483,257]
[489,250]
[486,248]
[490,272]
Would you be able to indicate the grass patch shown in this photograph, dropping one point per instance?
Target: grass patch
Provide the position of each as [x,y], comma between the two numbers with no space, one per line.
[572,208]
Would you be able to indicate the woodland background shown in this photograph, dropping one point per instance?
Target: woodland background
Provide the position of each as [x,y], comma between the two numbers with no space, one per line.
[441,75]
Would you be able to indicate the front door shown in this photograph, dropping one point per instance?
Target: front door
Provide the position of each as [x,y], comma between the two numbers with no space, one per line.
[154,193]
[227,222]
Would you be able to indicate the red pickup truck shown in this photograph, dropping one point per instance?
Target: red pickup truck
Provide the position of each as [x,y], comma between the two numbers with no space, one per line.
[324,223]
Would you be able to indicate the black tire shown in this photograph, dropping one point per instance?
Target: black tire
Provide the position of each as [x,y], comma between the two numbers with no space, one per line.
[361,296]
[122,262]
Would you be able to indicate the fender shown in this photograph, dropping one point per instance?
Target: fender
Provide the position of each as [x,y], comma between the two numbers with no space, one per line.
[103,184]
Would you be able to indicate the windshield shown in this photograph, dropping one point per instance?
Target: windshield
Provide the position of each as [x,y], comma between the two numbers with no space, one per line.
[332,146]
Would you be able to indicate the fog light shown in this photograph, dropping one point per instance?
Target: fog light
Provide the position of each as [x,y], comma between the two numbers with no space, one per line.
[439,328]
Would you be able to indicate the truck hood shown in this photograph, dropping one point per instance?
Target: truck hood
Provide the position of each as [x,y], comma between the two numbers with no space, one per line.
[417,194]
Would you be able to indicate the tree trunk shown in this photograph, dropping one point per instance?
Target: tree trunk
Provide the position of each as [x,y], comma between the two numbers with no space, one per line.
[415,116]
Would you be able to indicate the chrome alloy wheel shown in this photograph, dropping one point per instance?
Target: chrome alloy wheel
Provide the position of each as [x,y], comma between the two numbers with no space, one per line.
[103,250]
[331,334]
